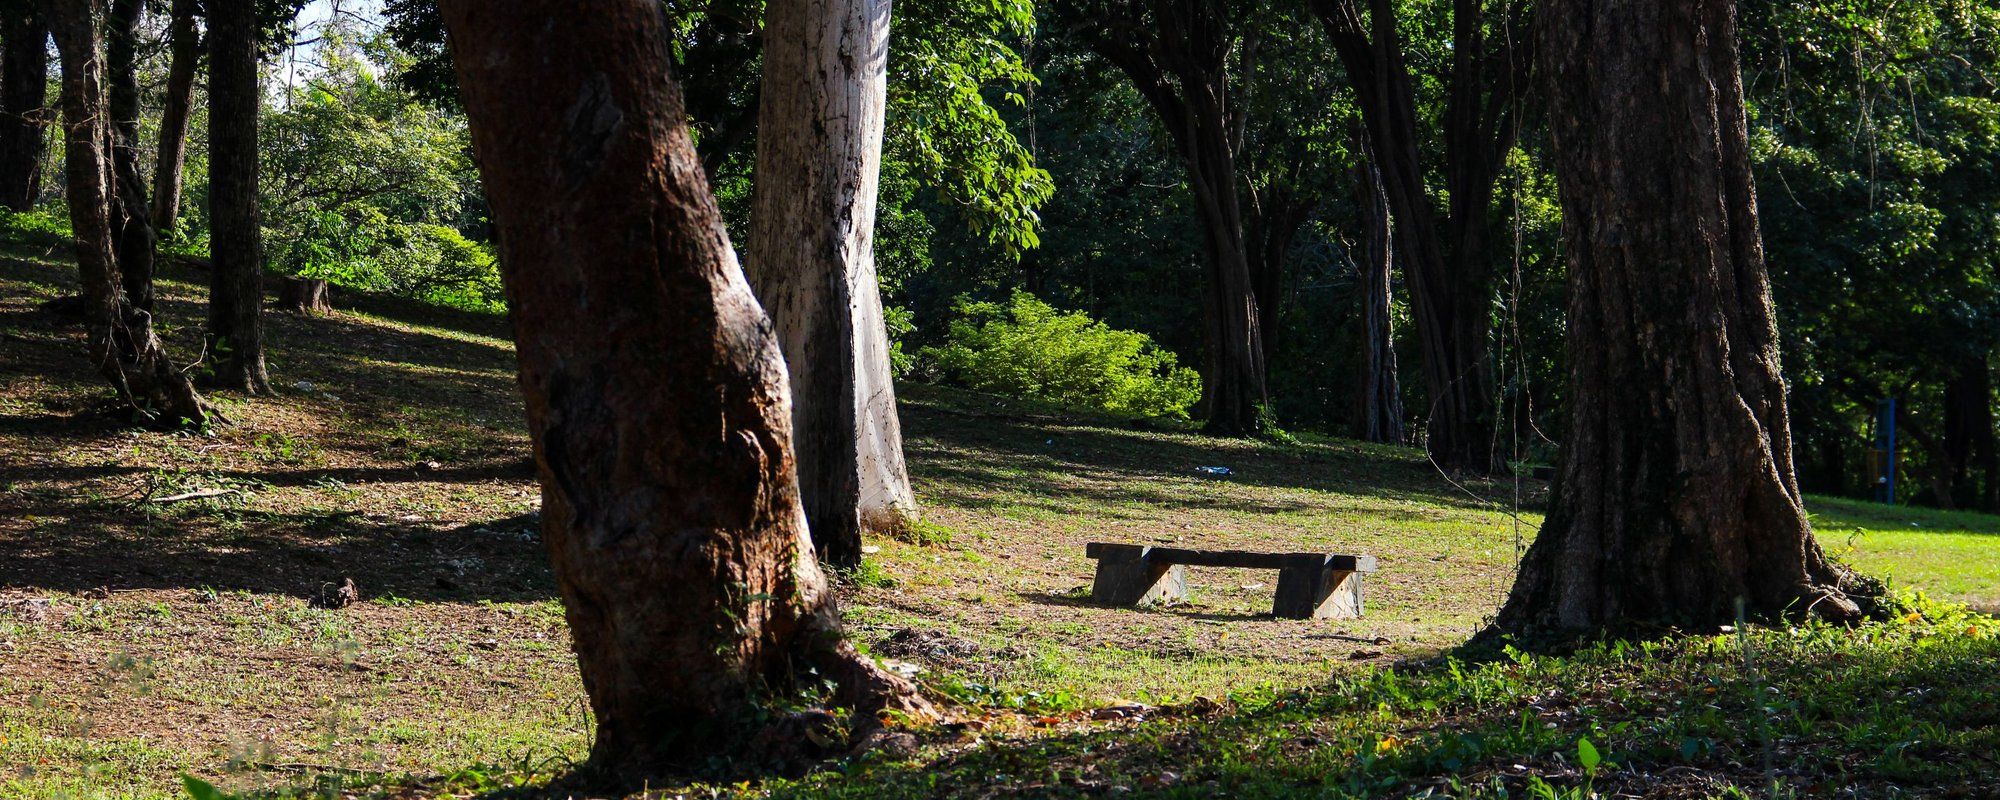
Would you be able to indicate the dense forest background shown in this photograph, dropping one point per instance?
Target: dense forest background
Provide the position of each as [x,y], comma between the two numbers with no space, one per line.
[1039,232]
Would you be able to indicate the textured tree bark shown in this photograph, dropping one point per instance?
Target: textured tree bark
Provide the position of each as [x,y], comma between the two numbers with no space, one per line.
[1676,496]
[812,262]
[24,81]
[1177,54]
[130,218]
[304,296]
[184,47]
[119,337]
[1379,406]
[1445,264]
[236,243]
[656,394]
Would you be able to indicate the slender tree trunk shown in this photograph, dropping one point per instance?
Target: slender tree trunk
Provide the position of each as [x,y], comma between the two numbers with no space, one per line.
[119,337]
[136,242]
[1968,434]
[24,81]
[184,58]
[1379,416]
[656,393]
[236,244]
[812,262]
[1676,497]
[1450,289]
[1270,224]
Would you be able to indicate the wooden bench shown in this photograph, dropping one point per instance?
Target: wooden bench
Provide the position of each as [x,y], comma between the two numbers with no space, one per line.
[1310,585]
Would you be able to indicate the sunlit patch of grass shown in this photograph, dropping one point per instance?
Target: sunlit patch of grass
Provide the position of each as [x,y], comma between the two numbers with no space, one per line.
[1953,555]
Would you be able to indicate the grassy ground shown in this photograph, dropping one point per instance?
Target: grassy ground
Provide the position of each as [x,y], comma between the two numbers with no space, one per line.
[1949,554]
[142,640]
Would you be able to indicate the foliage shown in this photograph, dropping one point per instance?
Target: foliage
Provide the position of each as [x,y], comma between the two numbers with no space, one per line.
[42,225]
[1878,143]
[949,58]
[1030,349]
[365,186]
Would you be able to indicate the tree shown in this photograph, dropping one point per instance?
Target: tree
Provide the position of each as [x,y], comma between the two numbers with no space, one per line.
[812,262]
[1676,497]
[184,47]
[24,82]
[236,243]
[1379,392]
[1177,55]
[131,218]
[119,337]
[1446,266]
[1882,218]
[656,393]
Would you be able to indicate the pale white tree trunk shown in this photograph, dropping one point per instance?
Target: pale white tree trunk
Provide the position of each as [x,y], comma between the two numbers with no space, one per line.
[812,261]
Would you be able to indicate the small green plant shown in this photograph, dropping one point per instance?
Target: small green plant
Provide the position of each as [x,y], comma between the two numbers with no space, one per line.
[924,533]
[869,575]
[1028,348]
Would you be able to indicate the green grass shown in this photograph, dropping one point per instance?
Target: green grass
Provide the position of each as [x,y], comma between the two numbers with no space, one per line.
[181,640]
[1950,554]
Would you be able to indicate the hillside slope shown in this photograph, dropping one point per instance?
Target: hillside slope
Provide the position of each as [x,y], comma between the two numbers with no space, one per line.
[143,636]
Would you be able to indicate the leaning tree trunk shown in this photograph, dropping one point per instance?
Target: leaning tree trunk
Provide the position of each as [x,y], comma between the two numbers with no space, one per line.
[130,215]
[1379,408]
[236,245]
[119,337]
[185,51]
[812,262]
[1676,497]
[24,82]
[656,393]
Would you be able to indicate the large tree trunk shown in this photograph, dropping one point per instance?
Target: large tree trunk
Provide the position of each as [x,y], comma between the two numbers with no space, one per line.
[130,214]
[812,262]
[1450,289]
[1379,404]
[306,296]
[1676,497]
[119,337]
[1234,391]
[236,245]
[185,53]
[656,393]
[24,81]
[1176,54]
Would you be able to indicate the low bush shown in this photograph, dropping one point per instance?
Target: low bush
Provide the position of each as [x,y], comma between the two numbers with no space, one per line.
[1028,348]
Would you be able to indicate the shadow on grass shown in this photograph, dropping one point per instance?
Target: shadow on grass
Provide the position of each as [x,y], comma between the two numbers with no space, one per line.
[1686,719]
[1185,611]
[993,460]
[80,549]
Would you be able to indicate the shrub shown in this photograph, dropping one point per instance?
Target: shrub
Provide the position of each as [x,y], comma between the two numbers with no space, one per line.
[1028,348]
[365,250]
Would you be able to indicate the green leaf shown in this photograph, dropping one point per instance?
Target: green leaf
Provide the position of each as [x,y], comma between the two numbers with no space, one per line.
[199,789]
[1587,754]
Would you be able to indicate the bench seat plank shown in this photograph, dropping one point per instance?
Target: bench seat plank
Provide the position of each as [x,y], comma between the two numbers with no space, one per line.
[1241,559]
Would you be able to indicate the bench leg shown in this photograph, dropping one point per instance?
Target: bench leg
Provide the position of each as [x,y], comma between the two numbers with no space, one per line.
[1317,593]
[1131,581]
